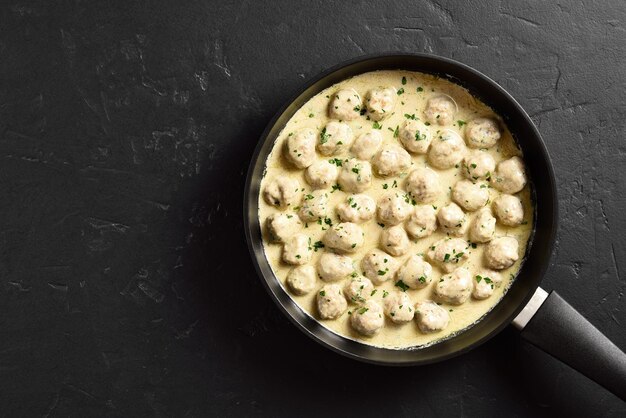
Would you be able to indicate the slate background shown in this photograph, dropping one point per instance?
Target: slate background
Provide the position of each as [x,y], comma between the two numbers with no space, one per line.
[126,129]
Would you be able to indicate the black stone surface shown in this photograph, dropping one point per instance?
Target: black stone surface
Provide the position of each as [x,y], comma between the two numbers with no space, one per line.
[126,128]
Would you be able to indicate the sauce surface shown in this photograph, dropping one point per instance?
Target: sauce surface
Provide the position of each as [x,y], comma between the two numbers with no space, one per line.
[413,91]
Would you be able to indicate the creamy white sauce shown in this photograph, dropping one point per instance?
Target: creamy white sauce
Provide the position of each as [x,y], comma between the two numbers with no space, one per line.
[417,90]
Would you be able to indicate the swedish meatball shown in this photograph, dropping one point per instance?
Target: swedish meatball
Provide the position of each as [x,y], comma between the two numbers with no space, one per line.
[446,150]
[391,160]
[510,176]
[380,102]
[367,145]
[393,208]
[469,195]
[482,133]
[330,301]
[440,110]
[501,253]
[485,281]
[394,240]
[321,174]
[357,208]
[345,105]
[431,317]
[452,219]
[301,280]
[378,266]
[398,307]
[314,206]
[478,165]
[281,226]
[423,185]
[344,237]
[355,176]
[508,210]
[300,148]
[448,253]
[415,136]
[296,250]
[332,267]
[483,226]
[415,272]
[358,289]
[455,288]
[282,192]
[368,318]
[334,138]
[423,221]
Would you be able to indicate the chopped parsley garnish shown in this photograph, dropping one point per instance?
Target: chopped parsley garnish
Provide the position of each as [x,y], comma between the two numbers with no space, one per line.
[377,125]
[385,293]
[335,187]
[412,117]
[311,115]
[373,292]
[362,310]
[420,89]
[324,136]
[396,133]
[446,257]
[422,279]
[317,245]
[402,285]
[357,108]
[419,136]
[385,186]
[336,161]
[353,245]
[400,91]
[403,81]
[382,272]
[461,123]
[322,293]
[355,170]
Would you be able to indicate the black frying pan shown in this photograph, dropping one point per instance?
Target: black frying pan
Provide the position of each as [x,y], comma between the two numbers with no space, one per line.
[545,320]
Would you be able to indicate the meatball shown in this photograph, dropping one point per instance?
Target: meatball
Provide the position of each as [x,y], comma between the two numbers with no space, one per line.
[355,176]
[452,219]
[281,226]
[300,148]
[423,185]
[501,253]
[469,195]
[431,317]
[282,192]
[394,240]
[510,176]
[296,250]
[440,110]
[367,145]
[448,253]
[344,237]
[446,150]
[482,133]
[334,138]
[485,281]
[301,280]
[330,301]
[378,266]
[332,267]
[368,318]
[321,174]
[380,102]
[345,105]
[509,210]
[393,208]
[314,206]
[391,160]
[423,221]
[398,307]
[483,227]
[455,288]
[415,136]
[358,289]
[478,165]
[358,208]
[415,272]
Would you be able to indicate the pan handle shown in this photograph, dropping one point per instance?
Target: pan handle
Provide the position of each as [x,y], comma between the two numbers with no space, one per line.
[553,325]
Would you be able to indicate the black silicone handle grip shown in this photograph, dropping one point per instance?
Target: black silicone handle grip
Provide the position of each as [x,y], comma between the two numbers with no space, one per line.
[561,331]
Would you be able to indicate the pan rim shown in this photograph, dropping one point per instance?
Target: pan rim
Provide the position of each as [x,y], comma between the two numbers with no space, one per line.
[345,347]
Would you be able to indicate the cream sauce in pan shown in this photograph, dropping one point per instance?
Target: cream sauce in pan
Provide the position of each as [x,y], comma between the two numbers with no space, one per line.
[412,92]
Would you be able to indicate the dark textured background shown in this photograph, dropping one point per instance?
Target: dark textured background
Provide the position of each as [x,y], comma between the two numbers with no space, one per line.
[126,128]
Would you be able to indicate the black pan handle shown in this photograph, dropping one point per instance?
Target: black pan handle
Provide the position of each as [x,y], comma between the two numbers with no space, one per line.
[561,331]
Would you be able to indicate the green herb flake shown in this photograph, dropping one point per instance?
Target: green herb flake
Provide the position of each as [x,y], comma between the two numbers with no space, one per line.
[420,89]
[324,136]
[400,91]
[403,81]
[402,285]
[377,125]
[322,293]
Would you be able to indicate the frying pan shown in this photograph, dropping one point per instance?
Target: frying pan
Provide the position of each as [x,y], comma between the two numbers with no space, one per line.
[545,320]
